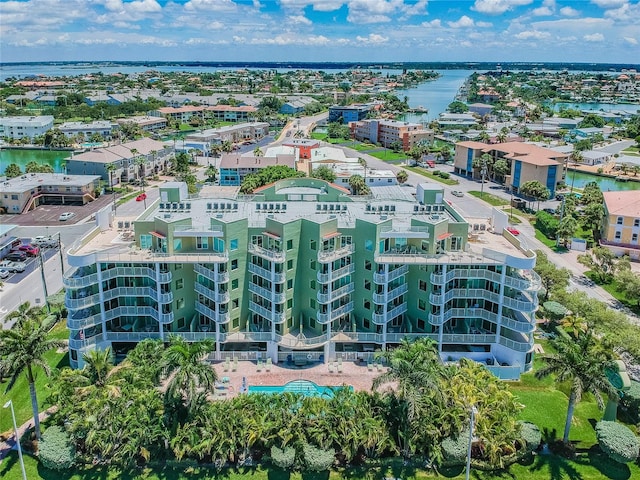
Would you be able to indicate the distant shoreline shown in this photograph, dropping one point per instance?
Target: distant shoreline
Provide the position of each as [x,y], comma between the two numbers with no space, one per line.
[505,66]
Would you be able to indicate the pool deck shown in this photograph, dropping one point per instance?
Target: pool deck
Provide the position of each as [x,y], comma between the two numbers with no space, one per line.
[355,375]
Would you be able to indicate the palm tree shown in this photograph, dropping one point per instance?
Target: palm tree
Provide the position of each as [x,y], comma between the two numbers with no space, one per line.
[582,361]
[358,187]
[402,176]
[22,349]
[110,168]
[184,368]
[257,152]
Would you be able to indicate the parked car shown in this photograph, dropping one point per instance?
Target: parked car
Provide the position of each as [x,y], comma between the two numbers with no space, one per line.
[16,256]
[141,197]
[12,266]
[457,193]
[513,231]
[551,211]
[43,241]
[4,273]
[66,216]
[31,250]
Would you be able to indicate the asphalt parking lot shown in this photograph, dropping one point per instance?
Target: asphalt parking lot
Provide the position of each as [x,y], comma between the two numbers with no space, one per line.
[47,215]
[32,264]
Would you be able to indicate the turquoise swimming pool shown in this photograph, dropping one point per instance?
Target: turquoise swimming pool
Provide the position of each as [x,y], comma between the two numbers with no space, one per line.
[304,387]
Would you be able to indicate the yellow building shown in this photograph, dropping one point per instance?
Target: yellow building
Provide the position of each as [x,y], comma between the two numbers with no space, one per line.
[621,226]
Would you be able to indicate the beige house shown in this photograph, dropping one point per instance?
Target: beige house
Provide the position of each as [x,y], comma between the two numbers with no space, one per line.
[621,226]
[527,162]
[387,132]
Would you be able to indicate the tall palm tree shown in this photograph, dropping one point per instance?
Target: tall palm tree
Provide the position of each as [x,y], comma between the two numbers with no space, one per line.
[582,361]
[183,366]
[257,152]
[22,350]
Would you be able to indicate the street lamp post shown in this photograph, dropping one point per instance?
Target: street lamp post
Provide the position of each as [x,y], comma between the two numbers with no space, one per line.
[474,412]
[9,404]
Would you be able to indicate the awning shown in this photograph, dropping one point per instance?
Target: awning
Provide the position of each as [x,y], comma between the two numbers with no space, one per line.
[444,236]
[157,234]
[271,235]
[331,235]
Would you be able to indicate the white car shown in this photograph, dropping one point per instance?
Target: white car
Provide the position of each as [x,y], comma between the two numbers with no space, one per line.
[43,241]
[66,216]
[12,266]
[457,193]
[4,273]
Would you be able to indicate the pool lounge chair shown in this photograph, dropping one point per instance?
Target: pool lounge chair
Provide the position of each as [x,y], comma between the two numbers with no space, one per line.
[235,365]
[259,366]
[268,365]
[339,365]
[227,364]
[370,366]
[330,366]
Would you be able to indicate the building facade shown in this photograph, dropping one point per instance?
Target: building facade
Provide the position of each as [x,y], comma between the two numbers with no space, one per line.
[25,127]
[388,132]
[303,270]
[26,192]
[621,226]
[101,127]
[349,113]
[527,162]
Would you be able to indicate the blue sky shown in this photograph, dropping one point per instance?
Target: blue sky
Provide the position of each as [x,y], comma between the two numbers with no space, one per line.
[321,30]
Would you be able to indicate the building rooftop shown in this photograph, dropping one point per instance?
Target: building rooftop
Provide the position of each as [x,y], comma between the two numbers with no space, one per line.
[234,160]
[524,152]
[623,203]
[29,181]
[114,153]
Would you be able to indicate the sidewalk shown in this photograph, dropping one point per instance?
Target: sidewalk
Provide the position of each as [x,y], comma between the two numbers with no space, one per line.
[10,444]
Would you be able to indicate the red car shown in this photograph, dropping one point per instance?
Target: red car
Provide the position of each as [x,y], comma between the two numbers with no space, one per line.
[31,250]
[141,197]
[513,231]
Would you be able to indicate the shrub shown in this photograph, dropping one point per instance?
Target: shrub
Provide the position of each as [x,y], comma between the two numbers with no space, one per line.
[631,402]
[444,175]
[56,451]
[316,459]
[531,436]
[454,449]
[617,441]
[283,457]
[547,224]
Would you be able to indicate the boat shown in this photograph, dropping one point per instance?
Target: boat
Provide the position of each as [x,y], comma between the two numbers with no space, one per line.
[622,178]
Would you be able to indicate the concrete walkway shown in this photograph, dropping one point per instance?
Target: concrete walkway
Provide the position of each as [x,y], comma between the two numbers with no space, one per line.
[10,444]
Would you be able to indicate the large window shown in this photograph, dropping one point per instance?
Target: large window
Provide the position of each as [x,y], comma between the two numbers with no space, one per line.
[146,242]
[202,243]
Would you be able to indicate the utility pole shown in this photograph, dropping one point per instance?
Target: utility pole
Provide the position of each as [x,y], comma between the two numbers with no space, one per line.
[44,282]
[60,252]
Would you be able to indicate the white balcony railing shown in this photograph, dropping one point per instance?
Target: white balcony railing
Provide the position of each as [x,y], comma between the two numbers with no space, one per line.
[272,255]
[267,274]
[218,297]
[220,317]
[267,294]
[517,346]
[382,318]
[275,317]
[218,277]
[336,274]
[522,327]
[327,256]
[468,338]
[383,278]
[381,298]
[336,294]
[335,313]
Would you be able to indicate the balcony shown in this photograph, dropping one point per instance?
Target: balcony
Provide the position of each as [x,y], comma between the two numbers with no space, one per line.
[477,313]
[398,337]
[404,232]
[468,338]
[518,326]
[336,294]
[216,277]
[75,321]
[382,318]
[382,298]
[524,346]
[520,305]
[384,278]
[218,317]
[301,341]
[328,256]
[142,311]
[336,274]
[275,317]
[271,255]
[267,274]
[138,292]
[267,294]
[135,272]
[462,273]
[530,282]
[218,297]
[83,302]
[468,293]
[335,313]
[244,336]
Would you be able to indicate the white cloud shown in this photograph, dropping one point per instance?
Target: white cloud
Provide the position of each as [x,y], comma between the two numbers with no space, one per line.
[317,5]
[569,12]
[210,5]
[631,40]
[542,12]
[299,19]
[627,13]
[594,37]
[138,6]
[609,3]
[532,34]
[462,22]
[484,24]
[497,7]
[436,23]
[372,39]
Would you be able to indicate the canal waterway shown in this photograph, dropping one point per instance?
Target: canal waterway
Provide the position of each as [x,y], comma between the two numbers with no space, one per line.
[22,156]
[606,184]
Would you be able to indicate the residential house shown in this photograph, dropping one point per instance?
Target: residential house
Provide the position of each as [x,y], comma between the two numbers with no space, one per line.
[25,127]
[621,226]
[388,132]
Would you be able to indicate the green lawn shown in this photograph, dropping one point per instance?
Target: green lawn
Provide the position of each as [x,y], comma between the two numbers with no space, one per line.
[20,391]
[428,174]
[490,198]
[388,155]
[612,289]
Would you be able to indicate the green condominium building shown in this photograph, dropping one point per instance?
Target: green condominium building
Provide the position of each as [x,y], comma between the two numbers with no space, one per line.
[302,269]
